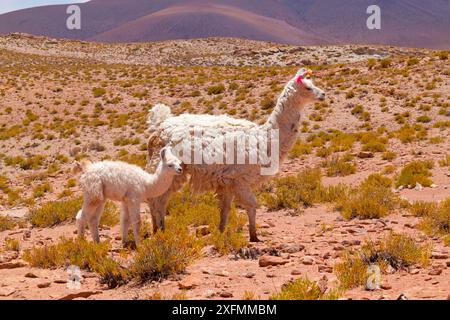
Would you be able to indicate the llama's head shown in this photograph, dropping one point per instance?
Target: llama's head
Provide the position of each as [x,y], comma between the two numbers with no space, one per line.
[170,163]
[306,90]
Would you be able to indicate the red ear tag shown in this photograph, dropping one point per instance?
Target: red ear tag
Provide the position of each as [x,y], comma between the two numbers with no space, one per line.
[300,80]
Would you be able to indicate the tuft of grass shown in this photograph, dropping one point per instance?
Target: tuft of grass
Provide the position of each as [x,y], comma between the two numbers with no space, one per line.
[422,208]
[294,192]
[339,167]
[6,223]
[12,244]
[373,198]
[395,250]
[53,213]
[164,254]
[80,252]
[190,211]
[437,222]
[300,148]
[303,289]
[415,172]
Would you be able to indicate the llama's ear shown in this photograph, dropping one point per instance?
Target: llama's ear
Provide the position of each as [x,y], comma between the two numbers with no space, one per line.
[163,154]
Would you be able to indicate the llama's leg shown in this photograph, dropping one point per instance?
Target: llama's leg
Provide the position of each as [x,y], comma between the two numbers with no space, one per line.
[81,224]
[124,223]
[225,199]
[158,210]
[93,215]
[134,209]
[246,198]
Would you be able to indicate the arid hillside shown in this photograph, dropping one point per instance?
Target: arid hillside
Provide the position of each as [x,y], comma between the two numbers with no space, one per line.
[367,183]
[410,23]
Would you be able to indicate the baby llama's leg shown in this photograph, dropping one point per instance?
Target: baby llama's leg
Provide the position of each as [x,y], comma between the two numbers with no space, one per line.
[124,223]
[93,214]
[246,198]
[134,208]
[81,224]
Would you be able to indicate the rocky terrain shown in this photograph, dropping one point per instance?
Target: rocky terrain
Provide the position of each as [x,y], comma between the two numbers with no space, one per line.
[386,107]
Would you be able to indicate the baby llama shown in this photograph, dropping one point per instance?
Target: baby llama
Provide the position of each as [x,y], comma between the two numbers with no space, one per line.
[129,184]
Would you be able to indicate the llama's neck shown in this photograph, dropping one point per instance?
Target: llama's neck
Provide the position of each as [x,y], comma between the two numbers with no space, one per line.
[286,118]
[158,183]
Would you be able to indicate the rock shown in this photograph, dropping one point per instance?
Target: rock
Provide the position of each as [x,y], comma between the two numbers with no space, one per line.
[323,268]
[271,275]
[249,275]
[6,292]
[266,260]
[435,272]
[448,264]
[12,265]
[414,271]
[433,186]
[264,226]
[438,255]
[209,294]
[296,272]
[222,273]
[365,155]
[206,271]
[189,283]
[293,248]
[202,231]
[60,281]
[390,269]
[385,286]
[307,260]
[402,297]
[84,294]
[226,294]
[31,275]
[338,247]
[44,285]
[418,187]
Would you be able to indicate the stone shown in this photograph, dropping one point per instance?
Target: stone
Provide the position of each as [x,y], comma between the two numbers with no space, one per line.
[83,294]
[6,292]
[31,275]
[418,187]
[210,294]
[12,265]
[266,260]
[385,286]
[435,272]
[202,231]
[296,272]
[249,275]
[438,255]
[307,260]
[188,283]
[293,248]
[414,271]
[44,285]
[222,273]
[365,155]
[226,294]
[323,268]
[60,281]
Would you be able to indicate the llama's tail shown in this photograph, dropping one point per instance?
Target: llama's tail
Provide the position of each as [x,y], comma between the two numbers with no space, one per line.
[81,166]
[157,115]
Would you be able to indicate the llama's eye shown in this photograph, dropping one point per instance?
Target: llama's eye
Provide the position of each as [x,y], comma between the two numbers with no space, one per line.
[170,165]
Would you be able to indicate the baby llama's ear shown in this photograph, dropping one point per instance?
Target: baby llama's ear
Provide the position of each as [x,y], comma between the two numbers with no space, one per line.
[163,154]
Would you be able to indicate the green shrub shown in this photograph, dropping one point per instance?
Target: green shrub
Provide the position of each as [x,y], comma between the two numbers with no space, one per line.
[413,173]
[373,198]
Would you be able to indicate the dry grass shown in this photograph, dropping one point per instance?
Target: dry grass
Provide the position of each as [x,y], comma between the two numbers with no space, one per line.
[415,172]
[304,289]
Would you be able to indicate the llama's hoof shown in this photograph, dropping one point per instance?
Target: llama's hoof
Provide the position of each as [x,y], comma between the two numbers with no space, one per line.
[129,245]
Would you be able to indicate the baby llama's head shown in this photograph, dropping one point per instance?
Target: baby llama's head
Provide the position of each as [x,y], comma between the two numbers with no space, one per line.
[170,163]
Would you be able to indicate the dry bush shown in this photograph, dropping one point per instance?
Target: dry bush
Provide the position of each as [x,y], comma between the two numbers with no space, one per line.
[304,289]
[294,192]
[373,198]
[436,221]
[191,211]
[415,172]
[164,254]
[56,212]
[398,251]
[6,223]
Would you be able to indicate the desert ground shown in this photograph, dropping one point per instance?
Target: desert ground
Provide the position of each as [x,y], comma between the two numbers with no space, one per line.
[368,181]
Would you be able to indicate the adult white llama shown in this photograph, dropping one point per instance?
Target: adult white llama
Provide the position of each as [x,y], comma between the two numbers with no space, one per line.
[120,181]
[229,181]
